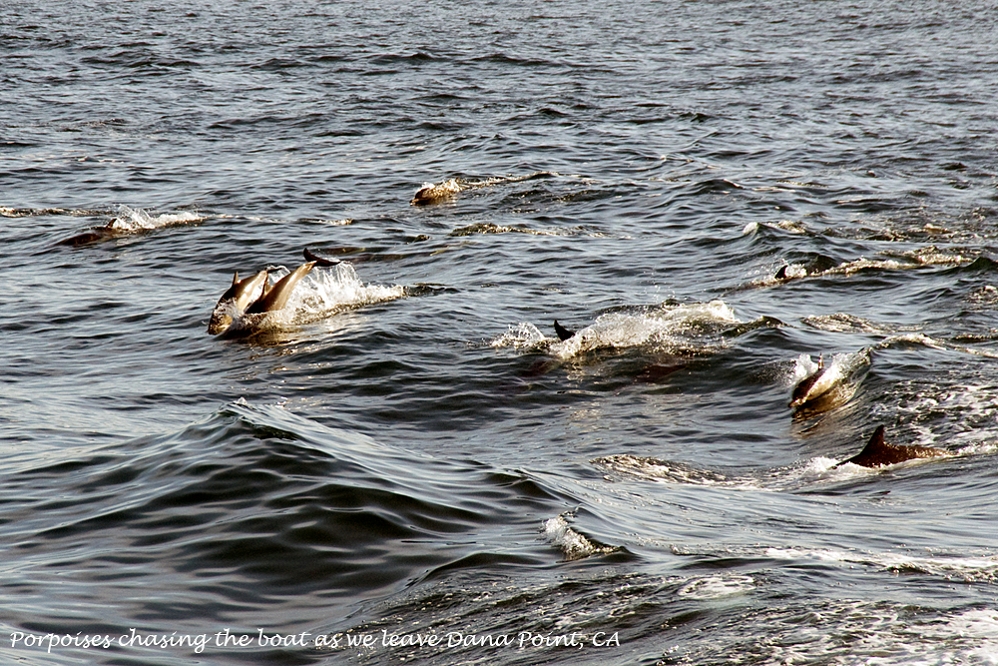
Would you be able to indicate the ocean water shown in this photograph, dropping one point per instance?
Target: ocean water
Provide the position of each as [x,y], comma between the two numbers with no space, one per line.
[406,464]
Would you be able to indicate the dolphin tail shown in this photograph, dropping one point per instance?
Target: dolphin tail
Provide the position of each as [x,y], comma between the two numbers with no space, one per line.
[319,261]
[277,297]
[563,333]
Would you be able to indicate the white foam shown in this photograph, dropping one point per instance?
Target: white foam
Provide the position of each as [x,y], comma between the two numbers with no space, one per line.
[965,569]
[675,327]
[886,637]
[970,637]
[653,469]
[717,587]
[792,477]
[790,226]
[804,366]
[982,628]
[521,336]
[795,271]
[843,323]
[974,407]
[575,545]
[136,219]
[328,290]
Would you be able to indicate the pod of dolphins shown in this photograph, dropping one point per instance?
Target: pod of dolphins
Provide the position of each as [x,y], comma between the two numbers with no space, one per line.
[240,307]
[877,453]
[816,393]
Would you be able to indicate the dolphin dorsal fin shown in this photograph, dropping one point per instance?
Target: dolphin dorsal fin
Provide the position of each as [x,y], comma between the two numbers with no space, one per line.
[235,278]
[876,453]
[876,445]
[563,333]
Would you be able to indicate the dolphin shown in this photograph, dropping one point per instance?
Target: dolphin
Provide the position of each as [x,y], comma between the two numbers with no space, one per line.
[253,296]
[805,387]
[563,333]
[879,453]
[831,385]
[431,194]
[92,235]
[319,261]
[236,299]
[277,296]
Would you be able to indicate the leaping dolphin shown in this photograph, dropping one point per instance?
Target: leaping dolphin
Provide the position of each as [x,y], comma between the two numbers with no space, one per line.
[879,453]
[253,295]
[277,296]
[831,385]
[802,392]
[236,299]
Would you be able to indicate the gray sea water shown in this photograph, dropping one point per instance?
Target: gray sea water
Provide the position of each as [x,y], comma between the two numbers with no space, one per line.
[406,464]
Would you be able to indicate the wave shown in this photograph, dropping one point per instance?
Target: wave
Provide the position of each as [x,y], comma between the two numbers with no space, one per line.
[492,228]
[808,475]
[837,631]
[823,267]
[8,211]
[256,497]
[717,587]
[680,328]
[131,220]
[957,567]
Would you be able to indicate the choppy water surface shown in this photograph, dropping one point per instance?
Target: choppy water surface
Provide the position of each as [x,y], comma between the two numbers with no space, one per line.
[711,196]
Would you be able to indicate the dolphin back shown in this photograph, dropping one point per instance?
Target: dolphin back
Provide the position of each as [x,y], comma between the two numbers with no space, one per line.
[277,297]
[878,453]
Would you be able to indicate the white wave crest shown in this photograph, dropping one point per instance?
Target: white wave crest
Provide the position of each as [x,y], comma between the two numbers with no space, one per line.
[675,327]
[521,336]
[716,587]
[965,569]
[135,219]
[325,291]
[575,545]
